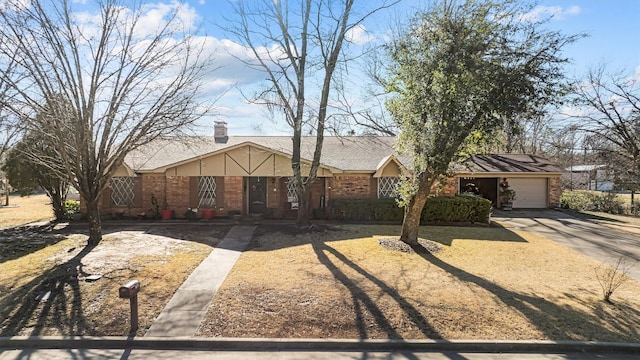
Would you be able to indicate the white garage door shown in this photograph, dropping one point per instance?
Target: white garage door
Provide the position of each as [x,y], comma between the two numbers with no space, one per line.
[530,192]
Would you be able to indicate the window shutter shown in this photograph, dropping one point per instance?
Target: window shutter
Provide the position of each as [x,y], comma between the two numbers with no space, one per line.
[107,202]
[137,192]
[220,191]
[193,191]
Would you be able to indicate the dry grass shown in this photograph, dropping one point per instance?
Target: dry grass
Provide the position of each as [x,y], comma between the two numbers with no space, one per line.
[24,210]
[33,263]
[487,283]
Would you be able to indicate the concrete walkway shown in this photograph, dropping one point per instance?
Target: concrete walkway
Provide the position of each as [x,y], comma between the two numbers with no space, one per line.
[594,240]
[188,306]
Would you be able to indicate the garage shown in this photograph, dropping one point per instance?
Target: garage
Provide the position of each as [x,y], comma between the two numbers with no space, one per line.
[535,180]
[531,193]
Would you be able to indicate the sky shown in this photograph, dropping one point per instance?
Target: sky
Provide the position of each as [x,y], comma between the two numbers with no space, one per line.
[612,28]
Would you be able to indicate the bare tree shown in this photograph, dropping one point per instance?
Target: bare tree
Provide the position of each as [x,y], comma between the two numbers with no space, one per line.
[9,125]
[609,112]
[102,84]
[299,46]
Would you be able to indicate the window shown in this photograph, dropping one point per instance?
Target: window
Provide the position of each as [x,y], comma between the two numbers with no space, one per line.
[207,191]
[292,196]
[291,191]
[388,187]
[122,190]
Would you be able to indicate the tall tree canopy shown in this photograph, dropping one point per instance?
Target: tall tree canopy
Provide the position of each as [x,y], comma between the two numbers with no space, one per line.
[27,175]
[459,72]
[102,83]
[609,113]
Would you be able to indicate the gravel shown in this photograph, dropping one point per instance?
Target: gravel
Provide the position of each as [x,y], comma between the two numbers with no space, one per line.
[394,244]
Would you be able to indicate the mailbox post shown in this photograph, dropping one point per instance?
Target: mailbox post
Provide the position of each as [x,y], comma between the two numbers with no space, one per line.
[130,291]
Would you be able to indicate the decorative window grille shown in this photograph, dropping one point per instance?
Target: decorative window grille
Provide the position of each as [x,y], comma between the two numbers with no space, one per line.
[292,196]
[207,191]
[388,187]
[122,193]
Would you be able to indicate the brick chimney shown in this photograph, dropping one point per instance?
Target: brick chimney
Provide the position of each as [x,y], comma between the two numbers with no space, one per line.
[220,132]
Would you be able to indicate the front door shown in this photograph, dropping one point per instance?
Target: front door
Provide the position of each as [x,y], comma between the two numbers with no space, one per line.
[257,195]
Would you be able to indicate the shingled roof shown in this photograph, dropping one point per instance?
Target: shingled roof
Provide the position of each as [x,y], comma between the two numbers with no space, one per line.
[357,153]
[509,163]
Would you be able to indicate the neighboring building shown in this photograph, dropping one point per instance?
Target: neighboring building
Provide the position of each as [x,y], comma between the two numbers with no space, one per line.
[588,177]
[250,174]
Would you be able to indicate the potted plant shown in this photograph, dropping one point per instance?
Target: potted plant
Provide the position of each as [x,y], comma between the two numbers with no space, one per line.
[507,195]
[208,213]
[155,207]
[166,213]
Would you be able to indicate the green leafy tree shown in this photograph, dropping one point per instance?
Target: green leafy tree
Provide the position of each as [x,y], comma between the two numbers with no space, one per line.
[27,175]
[459,72]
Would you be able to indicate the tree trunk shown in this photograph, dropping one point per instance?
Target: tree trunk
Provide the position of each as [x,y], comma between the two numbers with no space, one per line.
[95,223]
[59,210]
[413,211]
[6,191]
[304,200]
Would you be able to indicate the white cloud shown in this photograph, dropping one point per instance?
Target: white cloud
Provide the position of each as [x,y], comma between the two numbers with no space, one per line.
[156,16]
[359,35]
[555,12]
[230,58]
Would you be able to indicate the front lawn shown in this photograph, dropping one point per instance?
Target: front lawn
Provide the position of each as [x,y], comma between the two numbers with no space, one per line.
[25,209]
[45,284]
[485,283]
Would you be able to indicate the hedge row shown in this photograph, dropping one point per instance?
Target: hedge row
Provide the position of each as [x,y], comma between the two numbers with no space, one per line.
[584,200]
[438,209]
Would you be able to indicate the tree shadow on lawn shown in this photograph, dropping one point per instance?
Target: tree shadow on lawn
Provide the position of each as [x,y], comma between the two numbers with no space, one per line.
[203,233]
[54,282]
[19,241]
[63,307]
[363,302]
[555,321]
[577,232]
[444,235]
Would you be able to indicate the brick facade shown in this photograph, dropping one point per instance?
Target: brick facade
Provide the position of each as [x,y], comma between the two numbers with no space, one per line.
[233,194]
[554,191]
[352,186]
[178,193]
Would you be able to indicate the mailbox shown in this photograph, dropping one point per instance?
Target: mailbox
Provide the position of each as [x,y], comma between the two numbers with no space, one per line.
[130,289]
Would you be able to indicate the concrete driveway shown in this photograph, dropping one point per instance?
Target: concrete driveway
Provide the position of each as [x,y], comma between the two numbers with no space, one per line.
[594,240]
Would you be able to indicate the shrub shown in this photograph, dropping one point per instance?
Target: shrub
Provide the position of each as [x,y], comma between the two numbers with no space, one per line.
[367,209]
[611,278]
[457,209]
[71,207]
[437,209]
[583,200]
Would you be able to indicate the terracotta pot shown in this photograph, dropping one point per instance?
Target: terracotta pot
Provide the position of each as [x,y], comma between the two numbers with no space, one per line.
[207,213]
[166,214]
